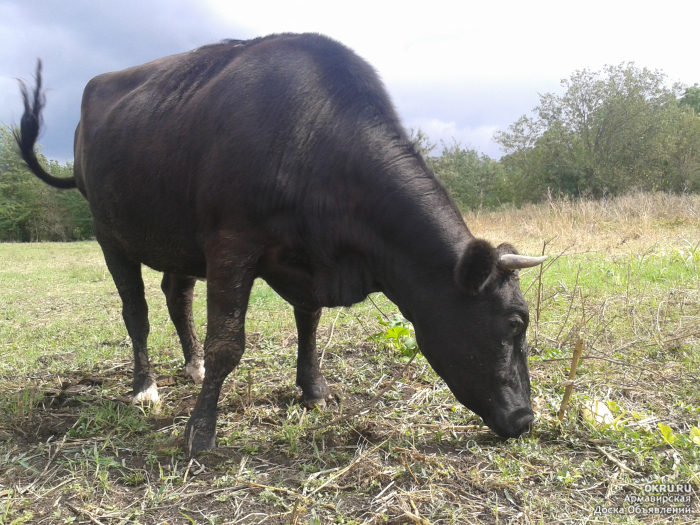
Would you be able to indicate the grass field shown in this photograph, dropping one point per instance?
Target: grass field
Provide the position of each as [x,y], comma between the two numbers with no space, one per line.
[623,279]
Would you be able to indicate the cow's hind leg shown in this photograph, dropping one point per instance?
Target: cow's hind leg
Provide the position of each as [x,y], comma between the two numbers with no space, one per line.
[127,278]
[309,377]
[229,281]
[178,292]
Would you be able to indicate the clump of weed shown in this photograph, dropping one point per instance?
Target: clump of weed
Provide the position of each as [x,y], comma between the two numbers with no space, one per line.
[107,417]
[21,405]
[398,334]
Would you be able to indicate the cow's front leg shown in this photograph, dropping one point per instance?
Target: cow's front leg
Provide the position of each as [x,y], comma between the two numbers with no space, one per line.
[309,377]
[179,293]
[229,281]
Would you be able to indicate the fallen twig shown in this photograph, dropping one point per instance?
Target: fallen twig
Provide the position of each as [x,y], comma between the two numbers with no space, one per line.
[408,466]
[678,338]
[213,491]
[460,428]
[616,461]
[83,513]
[276,489]
[416,519]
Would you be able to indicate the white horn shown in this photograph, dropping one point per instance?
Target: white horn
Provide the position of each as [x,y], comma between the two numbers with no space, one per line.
[510,261]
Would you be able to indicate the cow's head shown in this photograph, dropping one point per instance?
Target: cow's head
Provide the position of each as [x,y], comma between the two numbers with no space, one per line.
[474,336]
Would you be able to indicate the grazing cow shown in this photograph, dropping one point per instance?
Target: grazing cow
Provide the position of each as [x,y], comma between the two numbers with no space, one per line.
[283,158]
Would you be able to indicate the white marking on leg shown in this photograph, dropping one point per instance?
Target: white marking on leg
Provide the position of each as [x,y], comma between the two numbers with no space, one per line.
[150,395]
[195,371]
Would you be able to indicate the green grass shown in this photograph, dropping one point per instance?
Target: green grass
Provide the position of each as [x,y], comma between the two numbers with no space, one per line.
[73,450]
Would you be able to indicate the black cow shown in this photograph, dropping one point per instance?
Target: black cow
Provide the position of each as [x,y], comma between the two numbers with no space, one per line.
[283,158]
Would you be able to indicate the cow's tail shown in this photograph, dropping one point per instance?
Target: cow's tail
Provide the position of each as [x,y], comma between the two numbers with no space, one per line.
[29,130]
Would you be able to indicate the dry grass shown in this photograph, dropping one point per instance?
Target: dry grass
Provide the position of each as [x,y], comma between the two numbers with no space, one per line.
[619,225]
[72,450]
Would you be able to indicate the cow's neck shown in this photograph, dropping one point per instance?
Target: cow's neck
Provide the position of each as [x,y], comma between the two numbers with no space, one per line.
[417,244]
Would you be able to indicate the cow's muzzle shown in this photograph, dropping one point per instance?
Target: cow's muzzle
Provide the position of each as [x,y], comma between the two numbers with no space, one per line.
[513,425]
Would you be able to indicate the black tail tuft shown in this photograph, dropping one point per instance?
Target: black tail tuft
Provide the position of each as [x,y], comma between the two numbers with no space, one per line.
[31,120]
[28,132]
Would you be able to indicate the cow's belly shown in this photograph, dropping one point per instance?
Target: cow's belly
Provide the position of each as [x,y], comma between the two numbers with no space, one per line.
[175,261]
[310,285]
[163,248]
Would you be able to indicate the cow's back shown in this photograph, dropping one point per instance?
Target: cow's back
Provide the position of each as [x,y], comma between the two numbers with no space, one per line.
[227,136]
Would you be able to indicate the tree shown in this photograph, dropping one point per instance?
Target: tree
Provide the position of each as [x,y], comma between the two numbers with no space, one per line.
[610,132]
[19,200]
[32,211]
[471,178]
[691,98]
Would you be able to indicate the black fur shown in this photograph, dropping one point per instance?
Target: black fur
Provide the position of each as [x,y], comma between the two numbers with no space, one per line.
[476,267]
[29,131]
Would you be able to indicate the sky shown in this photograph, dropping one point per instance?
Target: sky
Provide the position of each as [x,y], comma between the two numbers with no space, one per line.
[457,70]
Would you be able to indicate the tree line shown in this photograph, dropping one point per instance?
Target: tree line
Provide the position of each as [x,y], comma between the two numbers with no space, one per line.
[32,211]
[611,132]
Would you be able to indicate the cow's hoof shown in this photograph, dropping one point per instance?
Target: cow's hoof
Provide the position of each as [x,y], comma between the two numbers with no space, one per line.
[198,441]
[146,396]
[314,395]
[319,403]
[195,371]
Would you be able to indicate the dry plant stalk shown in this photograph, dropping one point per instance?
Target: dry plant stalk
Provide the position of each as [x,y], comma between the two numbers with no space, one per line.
[250,387]
[416,519]
[539,297]
[578,350]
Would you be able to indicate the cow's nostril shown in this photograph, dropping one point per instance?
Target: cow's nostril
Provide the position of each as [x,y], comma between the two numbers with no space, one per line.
[523,425]
[526,426]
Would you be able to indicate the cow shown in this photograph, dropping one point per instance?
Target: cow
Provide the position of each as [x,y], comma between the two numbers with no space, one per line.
[282,157]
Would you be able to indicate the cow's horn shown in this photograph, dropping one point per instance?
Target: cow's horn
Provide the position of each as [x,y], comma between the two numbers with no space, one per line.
[510,261]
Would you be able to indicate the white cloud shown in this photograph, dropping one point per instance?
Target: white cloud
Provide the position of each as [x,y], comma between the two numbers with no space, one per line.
[446,133]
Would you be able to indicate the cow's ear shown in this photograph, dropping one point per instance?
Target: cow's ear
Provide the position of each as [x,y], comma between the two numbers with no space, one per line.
[476,267]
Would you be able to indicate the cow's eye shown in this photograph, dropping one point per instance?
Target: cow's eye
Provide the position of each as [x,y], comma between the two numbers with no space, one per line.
[516,324]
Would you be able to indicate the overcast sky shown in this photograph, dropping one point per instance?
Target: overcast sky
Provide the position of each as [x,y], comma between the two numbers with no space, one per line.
[455,69]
